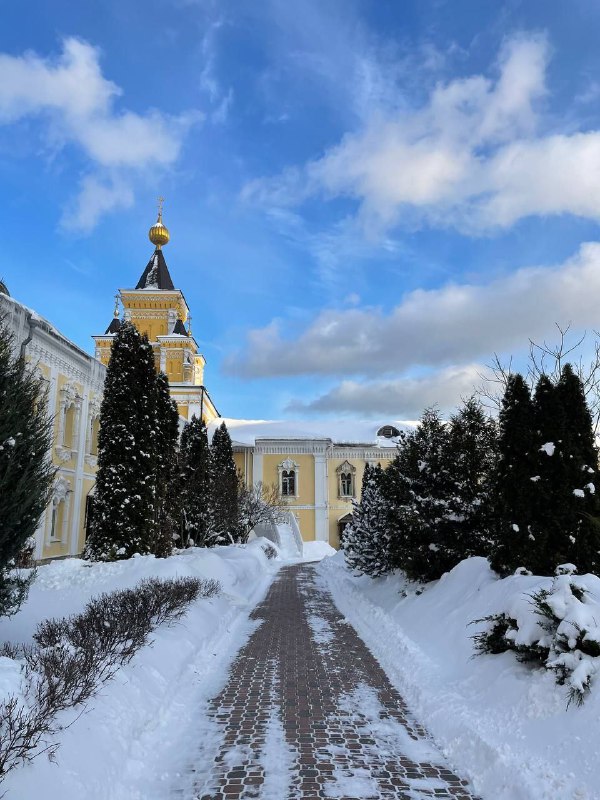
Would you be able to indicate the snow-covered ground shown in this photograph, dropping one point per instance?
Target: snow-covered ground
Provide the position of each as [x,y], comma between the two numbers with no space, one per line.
[500,723]
[134,732]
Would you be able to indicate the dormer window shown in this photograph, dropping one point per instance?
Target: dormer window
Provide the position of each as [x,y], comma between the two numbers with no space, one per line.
[388,432]
[346,480]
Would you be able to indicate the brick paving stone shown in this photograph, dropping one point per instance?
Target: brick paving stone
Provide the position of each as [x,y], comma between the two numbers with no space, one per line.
[309,713]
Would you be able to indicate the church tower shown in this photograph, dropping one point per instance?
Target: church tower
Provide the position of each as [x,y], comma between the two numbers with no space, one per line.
[160,311]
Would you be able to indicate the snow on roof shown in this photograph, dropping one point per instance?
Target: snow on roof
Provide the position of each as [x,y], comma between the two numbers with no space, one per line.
[45,325]
[246,431]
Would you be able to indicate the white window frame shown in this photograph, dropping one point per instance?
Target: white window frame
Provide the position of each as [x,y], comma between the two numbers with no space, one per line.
[346,469]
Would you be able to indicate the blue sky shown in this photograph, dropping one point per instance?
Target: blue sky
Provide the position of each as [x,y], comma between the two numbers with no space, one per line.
[366,200]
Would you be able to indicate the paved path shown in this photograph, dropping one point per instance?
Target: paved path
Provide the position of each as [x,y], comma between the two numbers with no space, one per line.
[309,713]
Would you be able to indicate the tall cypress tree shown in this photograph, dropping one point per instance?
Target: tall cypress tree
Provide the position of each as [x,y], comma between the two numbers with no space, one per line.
[470,453]
[195,495]
[26,472]
[367,537]
[580,467]
[552,505]
[167,427]
[124,507]
[515,494]
[225,487]
[426,553]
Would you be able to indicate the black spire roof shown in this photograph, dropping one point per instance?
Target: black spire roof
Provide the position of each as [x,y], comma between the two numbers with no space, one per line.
[114,326]
[180,328]
[156,275]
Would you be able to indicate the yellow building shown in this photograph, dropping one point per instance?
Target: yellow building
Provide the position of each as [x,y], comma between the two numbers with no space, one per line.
[74,382]
[317,477]
[160,311]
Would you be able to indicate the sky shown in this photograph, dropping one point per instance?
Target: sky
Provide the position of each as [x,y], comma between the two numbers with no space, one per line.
[366,200]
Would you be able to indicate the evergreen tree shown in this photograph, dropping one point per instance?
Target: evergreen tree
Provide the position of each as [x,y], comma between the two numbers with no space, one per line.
[26,473]
[423,551]
[167,426]
[225,487]
[552,507]
[470,454]
[195,495]
[366,541]
[580,468]
[514,492]
[124,508]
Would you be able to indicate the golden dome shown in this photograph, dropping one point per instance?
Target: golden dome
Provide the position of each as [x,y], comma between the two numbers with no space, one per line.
[159,233]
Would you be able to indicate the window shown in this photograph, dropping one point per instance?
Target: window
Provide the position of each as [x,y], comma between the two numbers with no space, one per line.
[288,478]
[388,432]
[346,482]
[288,483]
[59,513]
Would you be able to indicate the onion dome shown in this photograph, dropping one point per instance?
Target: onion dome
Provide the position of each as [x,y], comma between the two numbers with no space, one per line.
[159,233]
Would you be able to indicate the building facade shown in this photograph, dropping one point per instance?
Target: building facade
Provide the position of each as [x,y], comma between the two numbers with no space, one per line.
[73,380]
[316,478]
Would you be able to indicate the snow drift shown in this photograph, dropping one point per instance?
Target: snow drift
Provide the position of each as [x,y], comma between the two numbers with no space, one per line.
[500,723]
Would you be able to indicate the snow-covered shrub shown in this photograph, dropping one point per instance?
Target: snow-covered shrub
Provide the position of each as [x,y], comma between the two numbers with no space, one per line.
[72,657]
[269,551]
[557,628]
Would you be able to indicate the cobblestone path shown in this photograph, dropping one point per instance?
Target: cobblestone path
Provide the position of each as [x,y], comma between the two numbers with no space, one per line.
[309,713]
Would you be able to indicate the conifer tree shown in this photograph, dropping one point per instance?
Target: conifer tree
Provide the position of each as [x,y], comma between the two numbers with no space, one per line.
[367,537]
[124,508]
[167,426]
[423,551]
[470,454]
[26,472]
[225,487]
[580,466]
[552,507]
[195,495]
[514,492]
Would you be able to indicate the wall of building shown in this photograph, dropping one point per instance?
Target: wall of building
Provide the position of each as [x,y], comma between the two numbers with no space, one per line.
[74,382]
[318,504]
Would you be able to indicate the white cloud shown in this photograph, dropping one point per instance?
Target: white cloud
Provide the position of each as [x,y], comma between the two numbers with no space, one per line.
[404,397]
[471,157]
[96,198]
[455,324]
[77,106]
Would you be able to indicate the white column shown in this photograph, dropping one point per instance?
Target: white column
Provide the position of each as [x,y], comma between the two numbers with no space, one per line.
[257,467]
[321,526]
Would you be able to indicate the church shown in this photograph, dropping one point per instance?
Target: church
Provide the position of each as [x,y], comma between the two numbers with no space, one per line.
[315,475]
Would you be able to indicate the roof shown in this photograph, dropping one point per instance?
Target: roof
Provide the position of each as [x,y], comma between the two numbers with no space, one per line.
[179,328]
[114,327]
[156,275]
[345,431]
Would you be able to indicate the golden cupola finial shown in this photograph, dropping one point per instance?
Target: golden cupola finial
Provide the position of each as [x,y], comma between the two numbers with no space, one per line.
[159,233]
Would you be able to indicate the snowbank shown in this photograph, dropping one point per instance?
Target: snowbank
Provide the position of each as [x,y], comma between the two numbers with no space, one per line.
[500,724]
[315,551]
[133,734]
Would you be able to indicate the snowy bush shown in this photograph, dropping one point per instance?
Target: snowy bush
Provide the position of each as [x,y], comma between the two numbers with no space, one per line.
[557,628]
[269,551]
[72,657]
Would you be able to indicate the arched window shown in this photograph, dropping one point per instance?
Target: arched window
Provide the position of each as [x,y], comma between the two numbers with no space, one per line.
[388,432]
[288,478]
[346,480]
[288,483]
[59,510]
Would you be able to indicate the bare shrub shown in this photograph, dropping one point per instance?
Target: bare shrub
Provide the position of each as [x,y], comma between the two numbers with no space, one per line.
[72,657]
